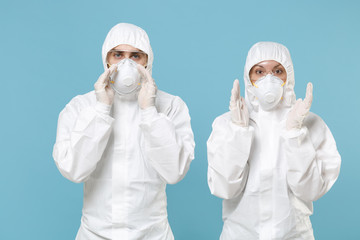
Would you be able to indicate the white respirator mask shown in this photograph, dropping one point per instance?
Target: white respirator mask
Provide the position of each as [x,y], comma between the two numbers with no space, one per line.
[269,91]
[126,79]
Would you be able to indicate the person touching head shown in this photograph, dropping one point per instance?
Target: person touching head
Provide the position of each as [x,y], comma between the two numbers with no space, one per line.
[269,157]
[125,141]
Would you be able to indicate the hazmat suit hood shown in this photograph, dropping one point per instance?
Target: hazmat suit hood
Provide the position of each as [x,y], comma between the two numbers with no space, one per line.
[126,33]
[262,51]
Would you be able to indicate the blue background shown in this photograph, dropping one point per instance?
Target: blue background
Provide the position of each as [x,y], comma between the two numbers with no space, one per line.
[50,51]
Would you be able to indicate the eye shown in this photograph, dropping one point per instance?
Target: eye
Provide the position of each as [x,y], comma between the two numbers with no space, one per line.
[135,56]
[278,71]
[118,54]
[258,71]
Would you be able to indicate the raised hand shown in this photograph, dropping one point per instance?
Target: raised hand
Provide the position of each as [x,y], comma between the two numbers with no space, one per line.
[300,110]
[104,93]
[238,109]
[148,89]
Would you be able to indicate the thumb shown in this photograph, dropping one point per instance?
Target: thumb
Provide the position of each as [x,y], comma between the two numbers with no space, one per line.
[112,69]
[309,95]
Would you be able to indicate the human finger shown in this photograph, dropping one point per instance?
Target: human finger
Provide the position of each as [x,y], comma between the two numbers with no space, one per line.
[145,73]
[309,95]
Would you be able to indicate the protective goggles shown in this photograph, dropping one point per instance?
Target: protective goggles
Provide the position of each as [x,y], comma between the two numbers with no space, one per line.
[136,56]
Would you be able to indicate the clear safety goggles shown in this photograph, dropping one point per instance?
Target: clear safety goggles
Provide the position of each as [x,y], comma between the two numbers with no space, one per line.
[136,56]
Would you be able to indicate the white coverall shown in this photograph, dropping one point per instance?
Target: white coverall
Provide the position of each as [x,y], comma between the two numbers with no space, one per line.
[125,159]
[268,176]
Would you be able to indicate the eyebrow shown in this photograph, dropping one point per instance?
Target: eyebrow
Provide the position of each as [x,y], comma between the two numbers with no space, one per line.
[256,65]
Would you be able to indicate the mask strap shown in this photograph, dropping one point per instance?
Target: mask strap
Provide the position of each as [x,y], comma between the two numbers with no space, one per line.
[253,83]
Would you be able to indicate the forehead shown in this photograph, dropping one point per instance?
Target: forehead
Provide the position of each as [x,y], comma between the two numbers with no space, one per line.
[126,47]
[268,64]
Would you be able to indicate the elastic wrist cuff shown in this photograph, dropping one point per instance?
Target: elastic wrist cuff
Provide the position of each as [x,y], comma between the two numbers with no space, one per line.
[103,108]
[148,114]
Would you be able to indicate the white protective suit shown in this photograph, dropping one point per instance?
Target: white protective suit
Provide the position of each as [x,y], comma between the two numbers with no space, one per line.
[125,159]
[268,176]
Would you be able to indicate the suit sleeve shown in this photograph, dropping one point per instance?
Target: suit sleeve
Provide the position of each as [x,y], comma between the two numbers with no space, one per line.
[82,135]
[228,151]
[313,159]
[169,140]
